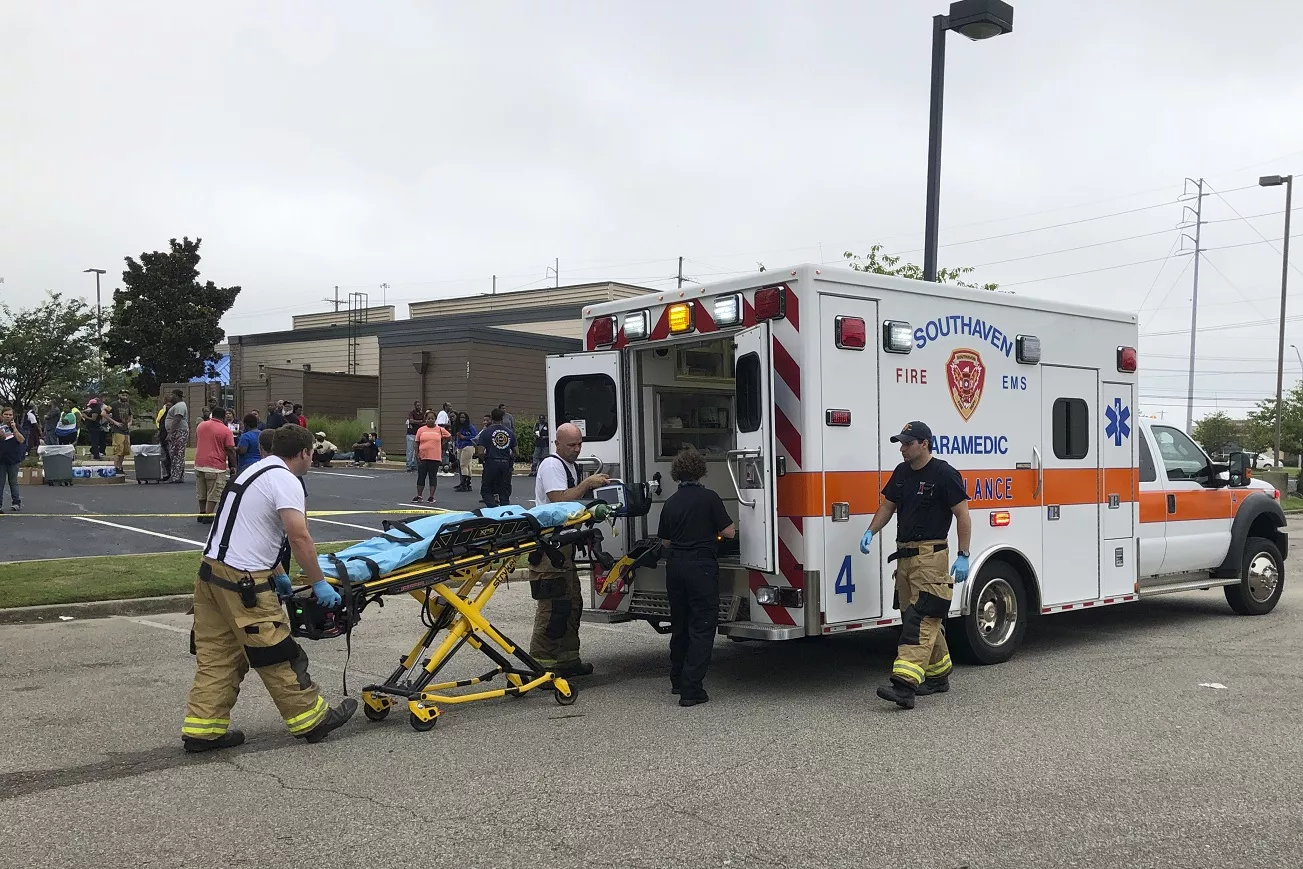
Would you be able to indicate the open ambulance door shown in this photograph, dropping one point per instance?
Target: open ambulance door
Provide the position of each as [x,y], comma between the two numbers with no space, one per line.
[752,464]
[585,389]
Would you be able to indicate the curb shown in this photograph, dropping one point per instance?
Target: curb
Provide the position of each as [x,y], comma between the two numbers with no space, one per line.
[99,609]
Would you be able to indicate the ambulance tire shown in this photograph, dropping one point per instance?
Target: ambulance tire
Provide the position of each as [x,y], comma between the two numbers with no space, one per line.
[997,618]
[1262,579]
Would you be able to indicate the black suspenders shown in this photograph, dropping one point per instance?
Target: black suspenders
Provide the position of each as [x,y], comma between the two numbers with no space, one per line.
[570,478]
[238,489]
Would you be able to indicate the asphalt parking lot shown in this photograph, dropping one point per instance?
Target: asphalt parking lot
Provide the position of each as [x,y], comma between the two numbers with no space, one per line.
[123,518]
[1162,734]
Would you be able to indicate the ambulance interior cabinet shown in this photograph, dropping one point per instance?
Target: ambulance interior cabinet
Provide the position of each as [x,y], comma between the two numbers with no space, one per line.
[702,418]
[707,361]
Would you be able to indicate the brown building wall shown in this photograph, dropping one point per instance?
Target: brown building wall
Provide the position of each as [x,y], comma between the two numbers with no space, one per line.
[516,376]
[401,384]
[339,394]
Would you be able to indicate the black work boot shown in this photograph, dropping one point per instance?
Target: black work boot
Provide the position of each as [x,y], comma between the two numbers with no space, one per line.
[229,739]
[898,691]
[579,668]
[933,685]
[334,719]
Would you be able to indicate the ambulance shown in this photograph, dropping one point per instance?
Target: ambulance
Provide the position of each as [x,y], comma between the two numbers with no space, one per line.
[791,384]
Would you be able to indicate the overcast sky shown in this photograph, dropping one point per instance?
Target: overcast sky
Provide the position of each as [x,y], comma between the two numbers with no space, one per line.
[429,145]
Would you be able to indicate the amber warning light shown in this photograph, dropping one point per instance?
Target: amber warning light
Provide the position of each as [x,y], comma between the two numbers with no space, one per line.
[999,518]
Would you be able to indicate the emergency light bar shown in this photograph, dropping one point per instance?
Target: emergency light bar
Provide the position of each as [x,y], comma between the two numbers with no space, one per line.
[897,336]
[635,326]
[728,310]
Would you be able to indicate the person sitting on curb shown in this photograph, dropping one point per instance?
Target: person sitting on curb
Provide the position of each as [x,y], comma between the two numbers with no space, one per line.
[323,451]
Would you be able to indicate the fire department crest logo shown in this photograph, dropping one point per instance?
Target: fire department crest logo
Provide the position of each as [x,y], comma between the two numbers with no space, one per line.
[501,439]
[966,376]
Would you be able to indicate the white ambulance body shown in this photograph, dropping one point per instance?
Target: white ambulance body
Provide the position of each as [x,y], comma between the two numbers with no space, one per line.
[792,382]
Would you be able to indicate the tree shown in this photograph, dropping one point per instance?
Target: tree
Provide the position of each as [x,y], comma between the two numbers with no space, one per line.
[45,350]
[165,322]
[1260,428]
[1215,431]
[888,264]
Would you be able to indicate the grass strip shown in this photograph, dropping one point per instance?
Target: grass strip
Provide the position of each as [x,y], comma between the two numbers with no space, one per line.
[106,577]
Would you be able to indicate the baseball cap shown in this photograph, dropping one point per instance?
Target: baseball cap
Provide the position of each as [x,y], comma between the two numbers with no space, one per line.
[913,431]
[320,434]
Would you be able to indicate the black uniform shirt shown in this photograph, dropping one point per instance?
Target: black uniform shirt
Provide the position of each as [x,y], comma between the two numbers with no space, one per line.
[923,499]
[499,443]
[692,518]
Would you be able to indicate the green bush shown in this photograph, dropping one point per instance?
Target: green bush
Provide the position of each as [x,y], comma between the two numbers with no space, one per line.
[341,431]
[524,441]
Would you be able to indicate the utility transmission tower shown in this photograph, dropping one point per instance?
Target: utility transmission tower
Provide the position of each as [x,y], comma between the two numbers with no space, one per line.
[1194,298]
[335,300]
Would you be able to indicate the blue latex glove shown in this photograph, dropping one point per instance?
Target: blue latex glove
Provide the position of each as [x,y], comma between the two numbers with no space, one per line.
[866,541]
[325,593]
[284,588]
[959,570]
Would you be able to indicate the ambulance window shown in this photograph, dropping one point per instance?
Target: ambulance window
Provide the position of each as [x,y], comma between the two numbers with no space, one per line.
[748,393]
[587,400]
[1147,472]
[1071,428]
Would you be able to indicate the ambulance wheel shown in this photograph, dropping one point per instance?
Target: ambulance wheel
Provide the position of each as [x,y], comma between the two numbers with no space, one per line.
[421,726]
[375,714]
[564,699]
[997,616]
[1262,579]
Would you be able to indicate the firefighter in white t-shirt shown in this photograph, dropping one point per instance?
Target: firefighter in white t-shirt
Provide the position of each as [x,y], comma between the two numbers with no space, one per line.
[560,596]
[239,622]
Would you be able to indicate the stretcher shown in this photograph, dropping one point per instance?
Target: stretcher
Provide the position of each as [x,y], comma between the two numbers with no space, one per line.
[452,564]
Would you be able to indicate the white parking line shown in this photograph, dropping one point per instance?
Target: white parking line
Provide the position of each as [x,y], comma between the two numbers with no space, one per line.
[343,474]
[196,543]
[424,507]
[346,524]
[153,624]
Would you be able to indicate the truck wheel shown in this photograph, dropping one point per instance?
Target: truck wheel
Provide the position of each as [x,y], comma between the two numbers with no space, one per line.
[1262,579]
[997,618]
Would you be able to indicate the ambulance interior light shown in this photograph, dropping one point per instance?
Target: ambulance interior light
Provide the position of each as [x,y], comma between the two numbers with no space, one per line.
[728,310]
[1127,359]
[1029,349]
[897,336]
[603,330]
[635,325]
[771,303]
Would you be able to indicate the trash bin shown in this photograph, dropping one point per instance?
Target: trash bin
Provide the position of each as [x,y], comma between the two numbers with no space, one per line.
[148,460]
[56,463]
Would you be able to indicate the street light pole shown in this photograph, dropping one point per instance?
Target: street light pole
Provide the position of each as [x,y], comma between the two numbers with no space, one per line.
[1276,181]
[976,19]
[99,323]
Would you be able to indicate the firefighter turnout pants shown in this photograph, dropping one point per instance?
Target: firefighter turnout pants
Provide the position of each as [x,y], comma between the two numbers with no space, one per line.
[229,638]
[923,592]
[560,596]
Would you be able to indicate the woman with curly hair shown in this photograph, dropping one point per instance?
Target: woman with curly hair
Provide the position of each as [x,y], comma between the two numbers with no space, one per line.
[692,521]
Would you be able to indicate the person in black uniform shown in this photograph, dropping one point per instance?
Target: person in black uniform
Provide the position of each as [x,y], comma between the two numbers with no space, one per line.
[928,492]
[497,449]
[692,521]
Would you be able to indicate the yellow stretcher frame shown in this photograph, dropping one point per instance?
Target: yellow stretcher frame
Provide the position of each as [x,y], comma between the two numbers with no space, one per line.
[453,593]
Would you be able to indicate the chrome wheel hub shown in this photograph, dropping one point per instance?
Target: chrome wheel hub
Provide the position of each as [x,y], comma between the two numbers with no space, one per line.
[996,612]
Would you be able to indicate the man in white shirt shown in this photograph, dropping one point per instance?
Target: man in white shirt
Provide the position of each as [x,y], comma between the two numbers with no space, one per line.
[560,596]
[239,622]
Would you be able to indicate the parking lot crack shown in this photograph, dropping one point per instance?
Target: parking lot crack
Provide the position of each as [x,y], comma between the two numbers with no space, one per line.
[317,789]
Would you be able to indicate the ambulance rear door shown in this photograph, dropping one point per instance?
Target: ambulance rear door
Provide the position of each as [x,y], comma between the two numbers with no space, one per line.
[751,465]
[586,389]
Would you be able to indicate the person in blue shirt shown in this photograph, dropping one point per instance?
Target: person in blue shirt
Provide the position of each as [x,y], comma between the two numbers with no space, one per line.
[246,448]
[496,446]
[464,435]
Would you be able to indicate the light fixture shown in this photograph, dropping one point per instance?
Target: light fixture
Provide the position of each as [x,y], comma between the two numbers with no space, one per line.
[897,336]
[680,318]
[771,303]
[1029,349]
[635,326]
[728,310]
[848,333]
[980,19]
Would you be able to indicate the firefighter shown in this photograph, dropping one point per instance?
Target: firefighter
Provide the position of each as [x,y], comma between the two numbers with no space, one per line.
[692,520]
[555,641]
[497,449]
[928,492]
[238,620]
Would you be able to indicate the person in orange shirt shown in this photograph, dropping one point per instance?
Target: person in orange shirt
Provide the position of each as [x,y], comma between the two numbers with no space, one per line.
[429,455]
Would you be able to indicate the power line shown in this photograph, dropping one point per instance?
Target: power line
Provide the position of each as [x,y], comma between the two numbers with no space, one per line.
[1254,228]
[1222,327]
[1071,249]
[1086,272]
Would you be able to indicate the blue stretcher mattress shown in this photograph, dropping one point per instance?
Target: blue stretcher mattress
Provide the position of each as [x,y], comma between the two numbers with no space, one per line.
[390,556]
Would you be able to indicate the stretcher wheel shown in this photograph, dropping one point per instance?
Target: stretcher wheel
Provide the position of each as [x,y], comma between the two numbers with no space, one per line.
[375,714]
[421,726]
[564,699]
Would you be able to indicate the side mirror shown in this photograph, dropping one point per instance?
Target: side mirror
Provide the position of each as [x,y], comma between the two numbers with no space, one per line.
[1239,469]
